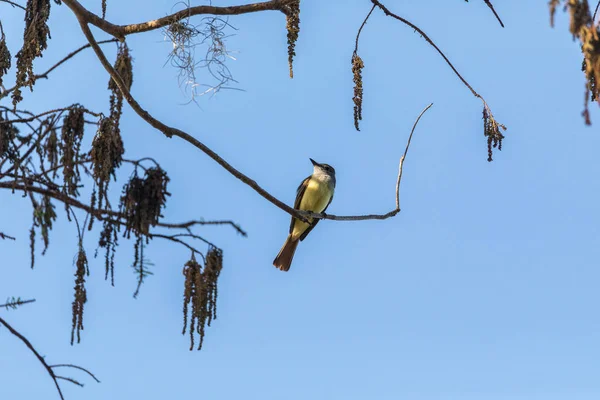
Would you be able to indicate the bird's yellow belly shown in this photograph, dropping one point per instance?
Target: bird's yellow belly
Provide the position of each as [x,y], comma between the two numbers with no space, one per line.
[315,199]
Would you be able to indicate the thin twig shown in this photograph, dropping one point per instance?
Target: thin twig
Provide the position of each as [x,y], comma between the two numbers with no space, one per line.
[361,28]
[404,156]
[398,180]
[69,380]
[34,351]
[56,110]
[387,12]
[76,367]
[596,12]
[5,236]
[491,6]
[196,222]
[14,4]
[58,64]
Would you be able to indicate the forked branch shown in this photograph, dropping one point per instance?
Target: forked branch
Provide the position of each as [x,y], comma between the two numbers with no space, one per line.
[49,368]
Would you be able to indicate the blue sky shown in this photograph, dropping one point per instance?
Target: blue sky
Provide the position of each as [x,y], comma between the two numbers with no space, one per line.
[485,286]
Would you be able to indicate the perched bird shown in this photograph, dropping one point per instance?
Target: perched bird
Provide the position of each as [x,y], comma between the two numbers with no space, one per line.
[314,194]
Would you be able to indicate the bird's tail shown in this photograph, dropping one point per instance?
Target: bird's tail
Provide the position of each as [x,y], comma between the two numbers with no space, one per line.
[286,254]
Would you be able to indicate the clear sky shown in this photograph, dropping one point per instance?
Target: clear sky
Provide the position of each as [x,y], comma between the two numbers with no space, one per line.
[485,286]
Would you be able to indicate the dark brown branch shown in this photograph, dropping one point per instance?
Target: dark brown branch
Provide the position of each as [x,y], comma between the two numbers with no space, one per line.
[110,215]
[387,12]
[73,381]
[120,31]
[14,4]
[196,222]
[596,12]
[174,238]
[5,236]
[56,110]
[491,6]
[76,367]
[34,351]
[58,64]
[361,28]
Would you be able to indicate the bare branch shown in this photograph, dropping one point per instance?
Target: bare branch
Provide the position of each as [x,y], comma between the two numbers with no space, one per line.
[69,380]
[361,28]
[76,367]
[5,236]
[58,64]
[14,4]
[387,12]
[34,351]
[596,11]
[390,214]
[491,6]
[120,31]
[404,156]
[200,222]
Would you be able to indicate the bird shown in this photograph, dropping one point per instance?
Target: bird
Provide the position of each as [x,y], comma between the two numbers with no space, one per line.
[314,194]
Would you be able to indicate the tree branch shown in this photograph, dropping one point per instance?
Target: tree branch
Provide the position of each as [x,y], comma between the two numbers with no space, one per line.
[491,6]
[14,4]
[120,31]
[387,12]
[76,367]
[58,64]
[5,236]
[114,216]
[34,351]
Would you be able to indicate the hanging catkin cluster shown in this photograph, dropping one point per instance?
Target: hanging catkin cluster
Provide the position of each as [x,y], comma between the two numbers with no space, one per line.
[582,27]
[292,15]
[35,41]
[80,299]
[142,201]
[71,135]
[200,294]
[491,130]
[357,67]
[4,58]
[124,68]
[107,155]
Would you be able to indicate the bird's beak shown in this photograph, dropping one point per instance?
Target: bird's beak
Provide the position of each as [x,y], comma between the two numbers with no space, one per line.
[314,162]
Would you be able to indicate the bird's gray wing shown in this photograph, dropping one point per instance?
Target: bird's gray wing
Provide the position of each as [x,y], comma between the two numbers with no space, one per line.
[299,194]
[315,222]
